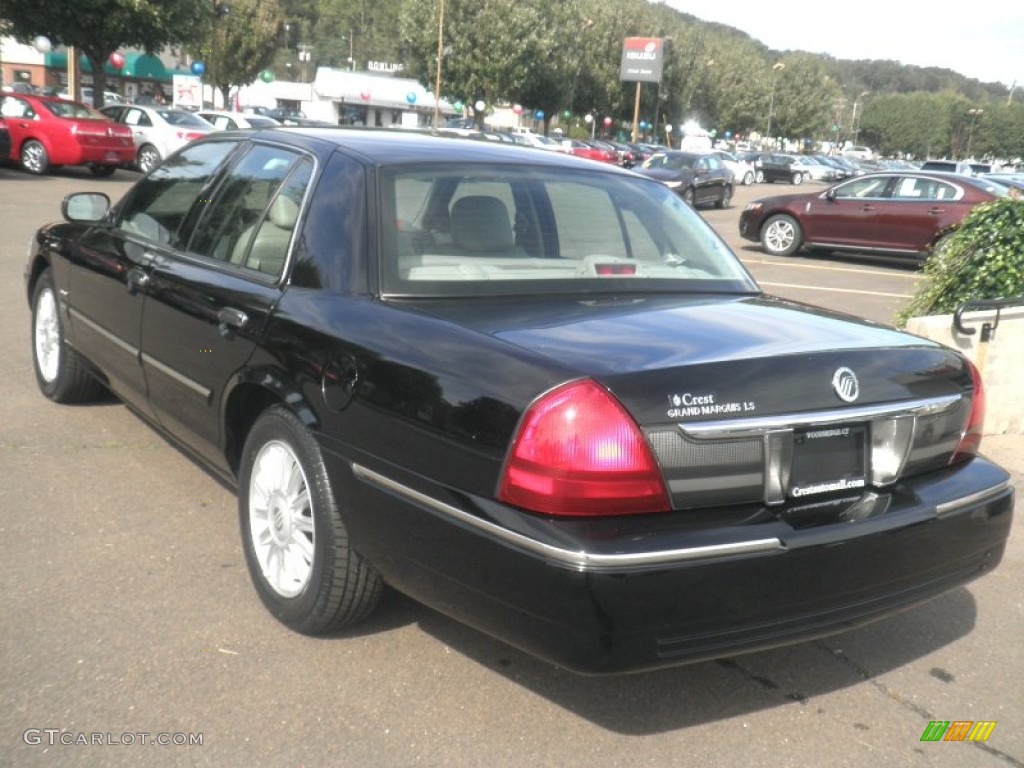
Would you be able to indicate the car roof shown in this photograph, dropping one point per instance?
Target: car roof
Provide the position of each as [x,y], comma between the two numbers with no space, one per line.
[382,146]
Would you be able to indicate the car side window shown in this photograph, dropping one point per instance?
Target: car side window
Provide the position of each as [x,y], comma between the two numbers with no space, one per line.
[137,117]
[863,187]
[238,207]
[268,250]
[14,107]
[160,202]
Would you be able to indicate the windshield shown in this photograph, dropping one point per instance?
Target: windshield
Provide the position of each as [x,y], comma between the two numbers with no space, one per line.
[476,230]
[674,162]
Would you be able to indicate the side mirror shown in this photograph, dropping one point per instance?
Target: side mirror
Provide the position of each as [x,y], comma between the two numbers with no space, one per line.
[85,206]
[830,195]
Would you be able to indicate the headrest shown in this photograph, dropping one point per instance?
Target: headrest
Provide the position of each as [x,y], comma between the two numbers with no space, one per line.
[284,212]
[480,223]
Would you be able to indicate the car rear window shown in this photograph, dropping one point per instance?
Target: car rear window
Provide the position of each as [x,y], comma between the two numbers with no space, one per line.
[485,230]
[71,110]
[181,117]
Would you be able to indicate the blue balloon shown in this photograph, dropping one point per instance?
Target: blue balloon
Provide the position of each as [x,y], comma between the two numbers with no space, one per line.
[539,114]
[728,134]
[198,67]
[411,97]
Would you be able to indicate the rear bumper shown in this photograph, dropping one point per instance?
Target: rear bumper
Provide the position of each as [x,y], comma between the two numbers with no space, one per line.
[89,155]
[624,595]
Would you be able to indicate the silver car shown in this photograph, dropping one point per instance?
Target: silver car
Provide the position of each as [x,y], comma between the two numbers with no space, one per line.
[224,121]
[158,131]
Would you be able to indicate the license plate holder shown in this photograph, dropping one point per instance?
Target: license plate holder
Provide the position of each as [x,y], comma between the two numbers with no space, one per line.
[828,460]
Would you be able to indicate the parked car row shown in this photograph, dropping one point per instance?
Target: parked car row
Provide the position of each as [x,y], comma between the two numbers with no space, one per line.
[45,132]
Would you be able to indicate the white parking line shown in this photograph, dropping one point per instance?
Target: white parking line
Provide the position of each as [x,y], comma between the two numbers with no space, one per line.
[799,265]
[835,290]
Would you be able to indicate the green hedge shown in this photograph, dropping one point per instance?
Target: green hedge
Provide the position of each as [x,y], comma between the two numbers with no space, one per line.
[982,259]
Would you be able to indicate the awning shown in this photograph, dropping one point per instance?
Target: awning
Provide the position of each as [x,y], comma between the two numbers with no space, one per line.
[139,66]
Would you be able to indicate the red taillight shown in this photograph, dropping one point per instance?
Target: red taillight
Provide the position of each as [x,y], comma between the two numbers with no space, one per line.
[970,443]
[615,269]
[579,453]
[190,135]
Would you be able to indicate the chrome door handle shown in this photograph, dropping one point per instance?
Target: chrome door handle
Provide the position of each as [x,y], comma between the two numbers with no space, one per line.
[231,320]
[136,280]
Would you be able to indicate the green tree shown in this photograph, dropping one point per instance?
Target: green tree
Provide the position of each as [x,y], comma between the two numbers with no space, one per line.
[99,27]
[361,29]
[239,43]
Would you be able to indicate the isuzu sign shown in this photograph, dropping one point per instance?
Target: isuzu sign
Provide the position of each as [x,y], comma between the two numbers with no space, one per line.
[641,59]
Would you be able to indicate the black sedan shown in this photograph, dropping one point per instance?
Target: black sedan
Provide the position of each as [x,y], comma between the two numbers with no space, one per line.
[787,168]
[698,178]
[534,392]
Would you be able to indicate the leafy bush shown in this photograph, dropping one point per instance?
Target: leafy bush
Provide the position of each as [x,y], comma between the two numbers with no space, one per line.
[982,259]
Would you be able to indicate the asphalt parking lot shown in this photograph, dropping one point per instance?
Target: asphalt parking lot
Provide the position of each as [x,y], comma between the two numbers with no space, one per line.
[128,618]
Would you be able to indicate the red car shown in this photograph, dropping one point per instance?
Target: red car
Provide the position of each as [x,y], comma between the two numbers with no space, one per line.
[583,149]
[900,213]
[47,132]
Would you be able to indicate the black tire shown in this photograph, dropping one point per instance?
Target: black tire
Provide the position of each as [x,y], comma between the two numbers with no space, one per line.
[102,170]
[295,541]
[688,196]
[941,242]
[725,198]
[60,372]
[759,177]
[748,178]
[34,157]
[781,235]
[798,178]
[148,158]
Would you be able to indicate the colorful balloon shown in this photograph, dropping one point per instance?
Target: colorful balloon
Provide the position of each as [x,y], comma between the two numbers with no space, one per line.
[198,68]
[364,95]
[42,44]
[267,76]
[116,60]
[517,109]
[607,122]
[411,97]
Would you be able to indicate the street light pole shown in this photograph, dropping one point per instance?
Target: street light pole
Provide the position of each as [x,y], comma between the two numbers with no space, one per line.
[853,123]
[975,114]
[440,58]
[776,68]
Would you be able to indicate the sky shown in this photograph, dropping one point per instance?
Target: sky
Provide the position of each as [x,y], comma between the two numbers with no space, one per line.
[983,39]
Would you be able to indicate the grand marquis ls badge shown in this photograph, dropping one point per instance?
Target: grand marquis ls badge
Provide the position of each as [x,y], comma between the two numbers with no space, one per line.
[845,385]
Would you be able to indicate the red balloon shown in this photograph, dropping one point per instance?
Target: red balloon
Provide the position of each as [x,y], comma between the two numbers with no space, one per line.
[607,122]
[517,108]
[116,60]
[365,95]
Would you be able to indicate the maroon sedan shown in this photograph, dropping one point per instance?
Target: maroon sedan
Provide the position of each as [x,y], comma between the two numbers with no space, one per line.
[47,132]
[900,213]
